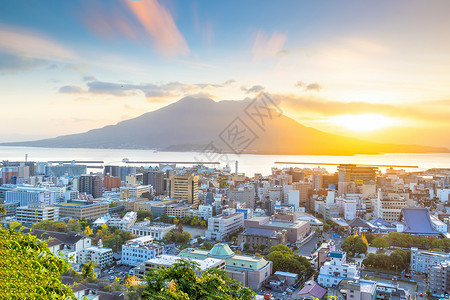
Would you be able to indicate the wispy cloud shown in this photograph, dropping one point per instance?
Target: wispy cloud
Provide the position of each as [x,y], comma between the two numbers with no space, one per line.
[71,89]
[12,63]
[253,90]
[25,43]
[150,90]
[309,87]
[160,25]
[429,111]
[268,46]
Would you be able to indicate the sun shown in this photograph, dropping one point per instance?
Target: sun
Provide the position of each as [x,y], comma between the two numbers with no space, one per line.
[363,122]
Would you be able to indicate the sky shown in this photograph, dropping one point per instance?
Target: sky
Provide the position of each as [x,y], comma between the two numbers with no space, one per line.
[376,70]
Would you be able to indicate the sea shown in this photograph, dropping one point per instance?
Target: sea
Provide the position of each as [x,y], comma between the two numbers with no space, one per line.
[247,163]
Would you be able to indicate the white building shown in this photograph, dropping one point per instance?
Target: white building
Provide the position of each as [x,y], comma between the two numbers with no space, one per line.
[27,193]
[156,230]
[333,271]
[293,198]
[138,250]
[36,212]
[102,256]
[422,260]
[438,224]
[443,195]
[128,220]
[221,226]
[388,206]
[349,206]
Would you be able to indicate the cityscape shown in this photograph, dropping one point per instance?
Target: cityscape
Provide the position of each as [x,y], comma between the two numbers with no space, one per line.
[224,150]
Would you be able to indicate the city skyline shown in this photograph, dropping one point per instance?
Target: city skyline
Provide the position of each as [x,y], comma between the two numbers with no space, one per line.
[376,71]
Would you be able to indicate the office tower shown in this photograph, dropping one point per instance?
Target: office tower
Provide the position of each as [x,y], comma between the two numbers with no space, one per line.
[156,180]
[91,184]
[185,187]
[357,174]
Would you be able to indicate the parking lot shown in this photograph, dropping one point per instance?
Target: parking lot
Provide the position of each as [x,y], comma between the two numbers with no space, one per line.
[114,272]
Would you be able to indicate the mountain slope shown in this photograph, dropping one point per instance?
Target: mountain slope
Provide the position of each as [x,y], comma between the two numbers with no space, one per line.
[192,123]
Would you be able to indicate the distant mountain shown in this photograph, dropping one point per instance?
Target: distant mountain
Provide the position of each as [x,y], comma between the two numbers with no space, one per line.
[192,123]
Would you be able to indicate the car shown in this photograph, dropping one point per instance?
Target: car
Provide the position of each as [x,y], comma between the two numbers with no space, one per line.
[421,294]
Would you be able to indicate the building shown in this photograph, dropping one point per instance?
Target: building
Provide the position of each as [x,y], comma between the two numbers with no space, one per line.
[128,221]
[357,174]
[57,241]
[91,184]
[221,226]
[245,195]
[439,279]
[185,187]
[422,260]
[110,182]
[10,209]
[26,193]
[103,257]
[177,209]
[36,212]
[418,222]
[134,191]
[337,269]
[168,261]
[120,171]
[252,271]
[255,237]
[388,206]
[138,250]
[79,210]
[156,230]
[65,169]
[156,180]
[297,230]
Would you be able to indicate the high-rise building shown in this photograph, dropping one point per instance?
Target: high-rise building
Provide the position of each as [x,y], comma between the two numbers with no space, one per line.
[91,184]
[110,182]
[185,187]
[156,180]
[357,174]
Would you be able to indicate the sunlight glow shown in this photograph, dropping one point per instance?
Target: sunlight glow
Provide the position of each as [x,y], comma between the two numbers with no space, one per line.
[363,122]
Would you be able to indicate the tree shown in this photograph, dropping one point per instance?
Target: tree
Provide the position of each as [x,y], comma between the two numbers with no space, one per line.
[246,246]
[88,231]
[380,243]
[142,215]
[31,270]
[176,221]
[360,246]
[203,223]
[87,270]
[2,210]
[206,246]
[181,282]
[195,221]
[13,225]
[281,248]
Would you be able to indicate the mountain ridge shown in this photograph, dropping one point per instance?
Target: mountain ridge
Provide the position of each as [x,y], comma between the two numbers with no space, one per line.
[193,123]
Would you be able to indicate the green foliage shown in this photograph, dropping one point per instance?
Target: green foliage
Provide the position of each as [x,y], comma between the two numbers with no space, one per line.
[72,225]
[281,248]
[353,245]
[206,246]
[284,259]
[87,270]
[176,236]
[166,219]
[408,240]
[380,243]
[181,282]
[397,260]
[142,215]
[29,270]
[114,238]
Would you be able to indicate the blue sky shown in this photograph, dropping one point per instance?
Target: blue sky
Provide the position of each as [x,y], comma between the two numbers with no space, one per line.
[70,66]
